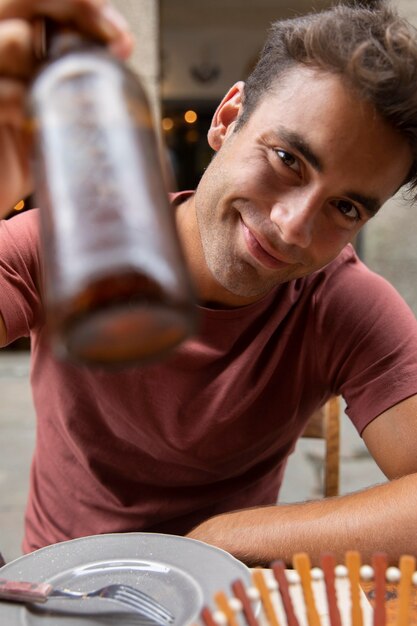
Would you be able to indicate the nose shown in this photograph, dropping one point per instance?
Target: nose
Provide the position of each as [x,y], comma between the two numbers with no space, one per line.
[295,216]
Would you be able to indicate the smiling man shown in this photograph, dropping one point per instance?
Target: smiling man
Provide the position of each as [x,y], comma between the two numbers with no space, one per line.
[323,132]
[291,186]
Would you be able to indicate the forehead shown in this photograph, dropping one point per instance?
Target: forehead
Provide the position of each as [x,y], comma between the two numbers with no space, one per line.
[308,92]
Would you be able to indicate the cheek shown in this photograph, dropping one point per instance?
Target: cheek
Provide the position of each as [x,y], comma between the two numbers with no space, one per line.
[259,174]
[327,244]
[329,240]
[245,171]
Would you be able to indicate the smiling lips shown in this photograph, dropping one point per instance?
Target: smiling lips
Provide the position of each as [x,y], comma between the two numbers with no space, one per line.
[259,253]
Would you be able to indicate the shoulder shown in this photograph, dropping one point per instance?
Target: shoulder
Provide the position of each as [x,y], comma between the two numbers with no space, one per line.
[367,337]
[20,252]
[23,226]
[20,274]
[347,285]
[344,269]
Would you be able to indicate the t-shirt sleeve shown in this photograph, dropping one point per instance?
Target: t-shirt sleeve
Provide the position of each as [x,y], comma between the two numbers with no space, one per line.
[20,275]
[367,341]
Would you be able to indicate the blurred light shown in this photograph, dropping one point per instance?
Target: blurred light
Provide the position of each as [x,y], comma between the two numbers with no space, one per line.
[19,206]
[167,123]
[190,116]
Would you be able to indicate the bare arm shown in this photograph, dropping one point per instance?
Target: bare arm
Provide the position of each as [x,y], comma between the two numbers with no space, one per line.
[379,518]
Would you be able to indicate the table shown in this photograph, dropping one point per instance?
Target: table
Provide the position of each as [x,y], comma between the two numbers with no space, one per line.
[343,594]
[391,602]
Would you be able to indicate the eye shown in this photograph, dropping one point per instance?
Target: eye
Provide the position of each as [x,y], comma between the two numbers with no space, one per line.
[348,210]
[288,159]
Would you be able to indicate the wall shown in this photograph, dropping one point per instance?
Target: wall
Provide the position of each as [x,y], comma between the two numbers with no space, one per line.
[208,46]
[143,17]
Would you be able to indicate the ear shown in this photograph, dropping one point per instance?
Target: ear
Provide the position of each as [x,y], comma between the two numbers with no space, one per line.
[225,116]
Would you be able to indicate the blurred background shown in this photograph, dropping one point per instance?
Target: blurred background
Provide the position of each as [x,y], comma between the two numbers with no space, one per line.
[188,53]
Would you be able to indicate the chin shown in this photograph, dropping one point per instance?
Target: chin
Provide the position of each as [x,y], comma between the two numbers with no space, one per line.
[244,286]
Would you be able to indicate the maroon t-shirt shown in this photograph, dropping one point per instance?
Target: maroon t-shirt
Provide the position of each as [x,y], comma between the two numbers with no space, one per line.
[164,446]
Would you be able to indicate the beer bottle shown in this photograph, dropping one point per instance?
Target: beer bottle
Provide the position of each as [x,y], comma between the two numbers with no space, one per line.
[116,287]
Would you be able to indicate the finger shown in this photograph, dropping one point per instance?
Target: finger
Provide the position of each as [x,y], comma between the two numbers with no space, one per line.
[13,103]
[58,9]
[93,17]
[16,49]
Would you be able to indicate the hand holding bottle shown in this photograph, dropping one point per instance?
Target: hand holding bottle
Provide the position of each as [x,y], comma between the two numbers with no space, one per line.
[20,56]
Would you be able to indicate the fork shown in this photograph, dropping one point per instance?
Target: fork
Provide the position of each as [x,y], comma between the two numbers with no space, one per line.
[136,600]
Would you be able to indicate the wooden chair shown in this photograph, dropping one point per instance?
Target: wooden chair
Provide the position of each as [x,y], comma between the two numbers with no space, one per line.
[325,424]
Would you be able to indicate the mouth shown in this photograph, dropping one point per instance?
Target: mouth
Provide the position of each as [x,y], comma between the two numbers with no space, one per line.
[267,257]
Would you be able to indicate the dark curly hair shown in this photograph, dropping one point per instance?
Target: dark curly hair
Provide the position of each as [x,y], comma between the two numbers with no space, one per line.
[373,49]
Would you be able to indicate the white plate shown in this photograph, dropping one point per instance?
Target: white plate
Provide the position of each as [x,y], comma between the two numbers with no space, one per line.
[183,574]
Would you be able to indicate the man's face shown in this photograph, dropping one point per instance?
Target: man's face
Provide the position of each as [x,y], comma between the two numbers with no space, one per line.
[288,190]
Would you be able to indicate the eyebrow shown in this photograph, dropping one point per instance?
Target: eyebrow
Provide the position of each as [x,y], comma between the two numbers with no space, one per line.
[296,141]
[369,203]
[299,143]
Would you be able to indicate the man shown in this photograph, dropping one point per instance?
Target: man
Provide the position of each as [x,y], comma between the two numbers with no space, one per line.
[321,135]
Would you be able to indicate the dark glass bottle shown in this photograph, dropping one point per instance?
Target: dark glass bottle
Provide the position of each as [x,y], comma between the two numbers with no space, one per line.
[115,281]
